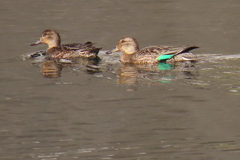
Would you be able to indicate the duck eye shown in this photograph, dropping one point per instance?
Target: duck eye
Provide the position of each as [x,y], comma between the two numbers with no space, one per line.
[45,34]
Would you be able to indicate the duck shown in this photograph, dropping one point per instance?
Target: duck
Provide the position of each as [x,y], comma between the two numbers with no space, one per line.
[152,54]
[68,51]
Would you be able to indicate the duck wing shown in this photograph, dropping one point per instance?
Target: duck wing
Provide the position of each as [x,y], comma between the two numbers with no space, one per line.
[146,55]
[68,53]
[164,50]
[79,45]
[177,53]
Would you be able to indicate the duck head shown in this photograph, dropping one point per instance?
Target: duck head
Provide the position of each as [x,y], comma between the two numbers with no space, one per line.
[49,37]
[128,45]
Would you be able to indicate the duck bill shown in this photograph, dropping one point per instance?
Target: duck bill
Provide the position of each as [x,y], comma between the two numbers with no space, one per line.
[116,49]
[36,43]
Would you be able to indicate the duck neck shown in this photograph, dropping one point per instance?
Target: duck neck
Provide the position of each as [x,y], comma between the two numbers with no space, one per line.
[53,44]
[127,58]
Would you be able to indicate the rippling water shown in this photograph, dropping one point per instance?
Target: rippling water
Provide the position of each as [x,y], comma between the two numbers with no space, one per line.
[113,111]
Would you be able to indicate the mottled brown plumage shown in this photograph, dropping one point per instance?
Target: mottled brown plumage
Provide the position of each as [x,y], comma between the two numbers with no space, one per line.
[132,53]
[67,51]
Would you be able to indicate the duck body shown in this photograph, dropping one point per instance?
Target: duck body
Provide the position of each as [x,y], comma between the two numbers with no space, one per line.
[68,51]
[155,54]
[152,54]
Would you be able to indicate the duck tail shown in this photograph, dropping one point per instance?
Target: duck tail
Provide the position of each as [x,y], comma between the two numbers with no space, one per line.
[89,44]
[189,48]
[96,50]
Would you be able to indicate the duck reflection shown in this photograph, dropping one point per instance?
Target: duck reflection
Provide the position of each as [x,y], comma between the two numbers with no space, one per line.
[151,74]
[128,74]
[88,65]
[51,69]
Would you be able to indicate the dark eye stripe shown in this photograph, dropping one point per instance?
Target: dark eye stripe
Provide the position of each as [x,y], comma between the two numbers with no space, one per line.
[46,34]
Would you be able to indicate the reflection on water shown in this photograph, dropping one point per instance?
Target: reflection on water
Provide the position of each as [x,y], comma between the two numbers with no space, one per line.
[51,69]
[152,74]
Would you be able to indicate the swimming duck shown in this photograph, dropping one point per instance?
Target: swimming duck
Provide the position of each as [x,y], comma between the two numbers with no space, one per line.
[152,54]
[67,51]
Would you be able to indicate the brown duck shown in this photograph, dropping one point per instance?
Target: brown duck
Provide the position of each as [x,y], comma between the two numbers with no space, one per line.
[152,54]
[68,51]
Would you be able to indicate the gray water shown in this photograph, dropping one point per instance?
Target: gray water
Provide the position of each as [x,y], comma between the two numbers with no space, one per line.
[121,112]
